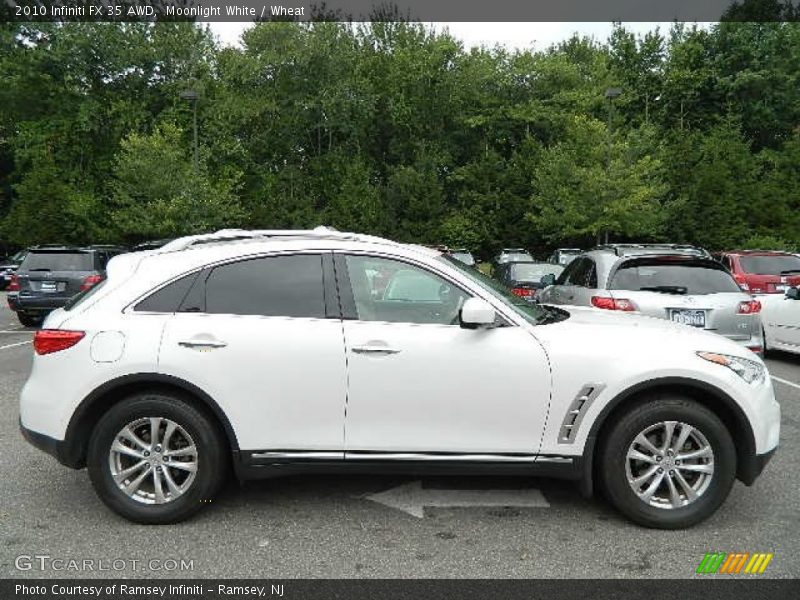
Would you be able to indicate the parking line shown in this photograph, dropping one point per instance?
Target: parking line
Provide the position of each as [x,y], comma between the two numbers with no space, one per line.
[786,382]
[28,342]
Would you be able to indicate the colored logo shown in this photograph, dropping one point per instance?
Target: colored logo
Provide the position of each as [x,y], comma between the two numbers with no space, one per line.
[734,563]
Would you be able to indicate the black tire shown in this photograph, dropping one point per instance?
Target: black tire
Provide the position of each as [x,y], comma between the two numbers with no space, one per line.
[212,459]
[636,420]
[30,320]
[765,348]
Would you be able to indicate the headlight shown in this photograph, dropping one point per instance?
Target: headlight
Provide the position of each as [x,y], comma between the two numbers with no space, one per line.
[749,370]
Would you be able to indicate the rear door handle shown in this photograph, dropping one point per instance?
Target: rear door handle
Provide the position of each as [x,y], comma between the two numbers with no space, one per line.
[368,349]
[202,344]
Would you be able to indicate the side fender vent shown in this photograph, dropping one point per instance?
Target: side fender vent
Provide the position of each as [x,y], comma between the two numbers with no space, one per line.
[578,408]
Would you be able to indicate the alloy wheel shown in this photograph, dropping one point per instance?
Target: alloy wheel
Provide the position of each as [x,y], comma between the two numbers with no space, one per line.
[669,465]
[153,460]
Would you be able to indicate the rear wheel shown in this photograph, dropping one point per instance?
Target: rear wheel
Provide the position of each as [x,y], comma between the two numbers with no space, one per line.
[154,458]
[669,463]
[30,320]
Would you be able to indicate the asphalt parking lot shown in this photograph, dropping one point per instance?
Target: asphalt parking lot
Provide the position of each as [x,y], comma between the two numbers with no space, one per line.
[327,527]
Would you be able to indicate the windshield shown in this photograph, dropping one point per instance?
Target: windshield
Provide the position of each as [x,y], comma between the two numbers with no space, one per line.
[534,271]
[533,313]
[689,279]
[515,257]
[770,265]
[58,261]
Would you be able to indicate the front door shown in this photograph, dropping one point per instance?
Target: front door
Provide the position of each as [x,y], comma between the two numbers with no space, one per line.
[420,383]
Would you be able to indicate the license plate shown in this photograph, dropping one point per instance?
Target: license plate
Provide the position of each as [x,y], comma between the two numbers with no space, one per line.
[49,286]
[781,288]
[694,318]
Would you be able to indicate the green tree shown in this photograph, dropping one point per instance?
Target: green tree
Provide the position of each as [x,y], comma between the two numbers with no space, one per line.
[156,192]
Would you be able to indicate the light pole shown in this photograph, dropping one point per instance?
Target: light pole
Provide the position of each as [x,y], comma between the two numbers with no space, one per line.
[192,96]
[611,94]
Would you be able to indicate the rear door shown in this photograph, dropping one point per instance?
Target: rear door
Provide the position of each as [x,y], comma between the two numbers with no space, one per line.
[263,337]
[782,316]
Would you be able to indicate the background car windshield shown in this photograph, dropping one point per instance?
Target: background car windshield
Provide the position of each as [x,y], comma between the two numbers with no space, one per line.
[770,265]
[464,257]
[533,272]
[695,278]
[517,256]
[58,261]
[531,312]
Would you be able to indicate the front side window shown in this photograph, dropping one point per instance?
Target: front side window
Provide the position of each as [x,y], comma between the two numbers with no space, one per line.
[396,292]
[282,286]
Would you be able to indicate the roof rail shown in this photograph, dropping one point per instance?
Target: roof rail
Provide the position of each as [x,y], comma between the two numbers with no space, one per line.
[234,235]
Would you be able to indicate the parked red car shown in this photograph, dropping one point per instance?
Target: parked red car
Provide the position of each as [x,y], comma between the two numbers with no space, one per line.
[762,271]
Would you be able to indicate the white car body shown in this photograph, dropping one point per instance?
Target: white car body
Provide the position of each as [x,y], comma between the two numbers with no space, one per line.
[312,388]
[780,316]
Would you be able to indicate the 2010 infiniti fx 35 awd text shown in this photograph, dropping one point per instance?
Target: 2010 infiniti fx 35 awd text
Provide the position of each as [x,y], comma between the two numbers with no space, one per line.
[272,352]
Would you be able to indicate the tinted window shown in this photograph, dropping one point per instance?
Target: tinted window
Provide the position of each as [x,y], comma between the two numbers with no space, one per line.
[566,275]
[533,272]
[58,261]
[582,273]
[769,265]
[169,297]
[396,292]
[673,278]
[288,286]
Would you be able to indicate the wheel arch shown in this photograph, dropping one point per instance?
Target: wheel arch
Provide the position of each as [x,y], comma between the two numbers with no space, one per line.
[102,398]
[713,398]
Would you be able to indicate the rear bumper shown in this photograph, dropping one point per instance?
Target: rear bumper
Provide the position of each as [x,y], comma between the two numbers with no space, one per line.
[58,449]
[36,304]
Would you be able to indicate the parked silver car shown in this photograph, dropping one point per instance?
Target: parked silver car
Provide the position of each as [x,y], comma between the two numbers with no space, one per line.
[682,284]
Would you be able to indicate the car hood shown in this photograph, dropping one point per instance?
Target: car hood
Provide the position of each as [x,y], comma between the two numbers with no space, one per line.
[630,332]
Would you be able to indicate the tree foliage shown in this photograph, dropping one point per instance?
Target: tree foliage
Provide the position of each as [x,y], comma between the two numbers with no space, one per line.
[392,129]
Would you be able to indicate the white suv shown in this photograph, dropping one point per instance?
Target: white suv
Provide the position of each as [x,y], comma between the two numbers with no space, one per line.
[274,352]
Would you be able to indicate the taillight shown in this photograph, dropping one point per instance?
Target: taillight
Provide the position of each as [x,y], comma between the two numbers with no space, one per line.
[523,292]
[749,307]
[46,341]
[13,285]
[742,281]
[613,303]
[90,281]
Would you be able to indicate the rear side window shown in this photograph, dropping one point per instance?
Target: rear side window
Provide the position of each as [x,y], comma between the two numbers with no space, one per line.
[286,286]
[770,265]
[689,278]
[58,261]
[169,297]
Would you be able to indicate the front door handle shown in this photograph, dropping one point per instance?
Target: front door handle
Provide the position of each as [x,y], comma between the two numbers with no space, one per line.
[202,344]
[371,349]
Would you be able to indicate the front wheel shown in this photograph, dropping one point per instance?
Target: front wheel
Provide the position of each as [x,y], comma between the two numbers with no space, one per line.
[154,458]
[668,463]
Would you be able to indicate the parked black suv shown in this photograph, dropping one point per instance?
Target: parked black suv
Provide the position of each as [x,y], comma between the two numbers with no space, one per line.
[49,276]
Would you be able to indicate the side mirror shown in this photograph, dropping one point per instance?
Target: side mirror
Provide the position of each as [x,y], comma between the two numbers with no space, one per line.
[793,293]
[477,313]
[548,279]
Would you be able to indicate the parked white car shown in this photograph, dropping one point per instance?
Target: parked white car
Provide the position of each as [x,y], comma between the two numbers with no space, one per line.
[277,352]
[781,319]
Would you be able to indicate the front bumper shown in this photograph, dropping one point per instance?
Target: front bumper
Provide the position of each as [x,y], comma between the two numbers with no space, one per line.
[752,468]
